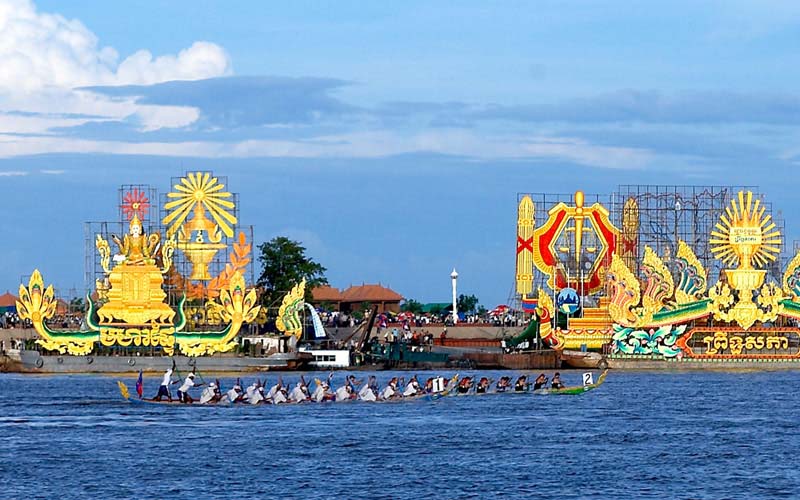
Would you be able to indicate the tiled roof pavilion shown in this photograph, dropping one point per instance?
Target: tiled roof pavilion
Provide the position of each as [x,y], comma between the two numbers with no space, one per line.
[385,298]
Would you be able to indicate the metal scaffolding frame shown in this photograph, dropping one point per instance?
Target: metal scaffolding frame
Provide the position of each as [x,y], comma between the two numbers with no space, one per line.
[667,213]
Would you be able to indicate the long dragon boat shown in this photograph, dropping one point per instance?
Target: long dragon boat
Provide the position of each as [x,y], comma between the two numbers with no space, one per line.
[449,391]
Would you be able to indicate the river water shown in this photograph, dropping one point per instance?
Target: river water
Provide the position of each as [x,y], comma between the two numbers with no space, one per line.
[640,435]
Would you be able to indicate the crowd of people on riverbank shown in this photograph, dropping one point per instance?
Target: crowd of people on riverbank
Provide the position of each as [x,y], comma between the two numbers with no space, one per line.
[351,389]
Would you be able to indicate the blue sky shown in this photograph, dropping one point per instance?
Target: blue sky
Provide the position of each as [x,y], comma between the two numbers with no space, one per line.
[390,138]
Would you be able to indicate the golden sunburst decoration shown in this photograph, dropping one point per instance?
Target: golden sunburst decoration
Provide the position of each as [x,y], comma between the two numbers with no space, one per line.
[745,235]
[202,188]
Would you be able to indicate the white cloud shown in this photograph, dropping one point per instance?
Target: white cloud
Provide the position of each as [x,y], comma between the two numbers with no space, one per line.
[358,145]
[12,173]
[201,60]
[45,57]
[52,172]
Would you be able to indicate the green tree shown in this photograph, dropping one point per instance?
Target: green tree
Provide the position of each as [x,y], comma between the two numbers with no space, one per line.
[467,303]
[283,265]
[412,306]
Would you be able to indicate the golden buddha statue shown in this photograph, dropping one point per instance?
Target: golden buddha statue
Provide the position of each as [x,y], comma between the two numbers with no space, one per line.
[136,248]
[134,294]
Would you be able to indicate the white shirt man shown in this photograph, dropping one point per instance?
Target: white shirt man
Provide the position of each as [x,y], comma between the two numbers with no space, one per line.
[257,396]
[167,377]
[366,394]
[343,393]
[389,391]
[319,392]
[163,389]
[276,395]
[298,394]
[183,391]
[234,393]
[208,393]
[412,388]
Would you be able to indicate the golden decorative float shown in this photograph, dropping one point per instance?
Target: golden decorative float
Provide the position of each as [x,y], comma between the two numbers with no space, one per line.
[660,306]
[130,304]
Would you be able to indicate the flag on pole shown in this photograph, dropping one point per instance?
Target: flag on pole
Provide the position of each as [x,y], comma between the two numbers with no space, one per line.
[529,305]
[140,385]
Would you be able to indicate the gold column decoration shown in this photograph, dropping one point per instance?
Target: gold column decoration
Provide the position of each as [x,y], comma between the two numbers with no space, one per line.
[526,221]
[630,233]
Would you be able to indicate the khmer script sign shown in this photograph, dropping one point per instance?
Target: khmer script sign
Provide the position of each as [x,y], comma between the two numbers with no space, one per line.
[730,343]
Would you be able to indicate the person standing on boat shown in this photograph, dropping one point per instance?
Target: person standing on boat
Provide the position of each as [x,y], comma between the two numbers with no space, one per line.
[540,382]
[163,389]
[183,391]
[557,384]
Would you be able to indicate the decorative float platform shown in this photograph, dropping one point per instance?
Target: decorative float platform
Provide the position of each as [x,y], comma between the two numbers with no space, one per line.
[151,289]
[650,306]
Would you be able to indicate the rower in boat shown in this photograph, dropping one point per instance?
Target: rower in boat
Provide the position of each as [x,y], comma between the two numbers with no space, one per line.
[258,396]
[503,384]
[464,385]
[373,384]
[211,394]
[522,384]
[344,393]
[277,393]
[413,388]
[251,390]
[369,392]
[540,382]
[235,394]
[322,392]
[300,392]
[183,391]
[163,389]
[353,383]
[483,385]
[557,384]
[390,391]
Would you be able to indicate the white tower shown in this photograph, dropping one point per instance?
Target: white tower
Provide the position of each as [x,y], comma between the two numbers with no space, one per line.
[454,276]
